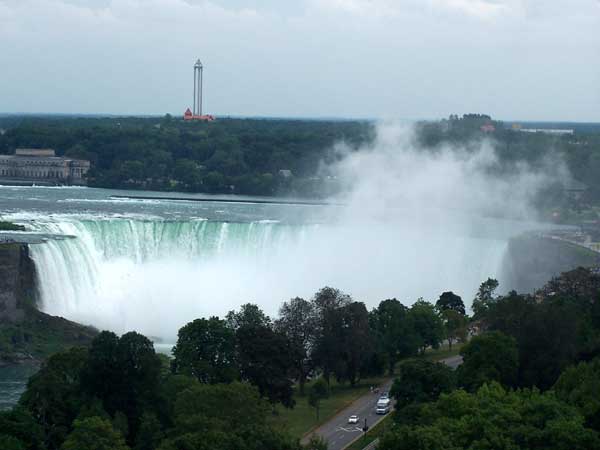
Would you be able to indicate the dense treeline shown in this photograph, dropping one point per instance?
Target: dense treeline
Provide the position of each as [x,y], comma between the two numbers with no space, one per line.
[245,156]
[240,156]
[225,376]
[529,379]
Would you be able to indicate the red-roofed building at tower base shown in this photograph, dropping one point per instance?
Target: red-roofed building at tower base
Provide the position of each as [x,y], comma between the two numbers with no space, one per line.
[188,115]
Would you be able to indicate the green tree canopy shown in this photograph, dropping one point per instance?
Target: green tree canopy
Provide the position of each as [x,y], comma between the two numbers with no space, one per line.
[491,356]
[450,301]
[394,331]
[94,433]
[493,419]
[421,381]
[580,386]
[427,324]
[298,321]
[205,349]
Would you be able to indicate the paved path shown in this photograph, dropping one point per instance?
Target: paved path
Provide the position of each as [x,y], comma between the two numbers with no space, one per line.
[339,433]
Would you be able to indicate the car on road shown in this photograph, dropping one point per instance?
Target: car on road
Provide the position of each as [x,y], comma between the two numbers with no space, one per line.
[383,406]
[384,395]
[353,419]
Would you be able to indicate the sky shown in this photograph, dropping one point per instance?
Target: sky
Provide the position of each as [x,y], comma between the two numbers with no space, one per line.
[379,59]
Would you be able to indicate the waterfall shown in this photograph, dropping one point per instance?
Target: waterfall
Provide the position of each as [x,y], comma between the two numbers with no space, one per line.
[154,275]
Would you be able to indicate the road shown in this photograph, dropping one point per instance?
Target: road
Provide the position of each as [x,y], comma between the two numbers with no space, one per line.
[339,433]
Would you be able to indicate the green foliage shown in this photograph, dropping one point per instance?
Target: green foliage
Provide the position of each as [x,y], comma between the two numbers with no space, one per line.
[455,325]
[229,417]
[206,350]
[9,226]
[318,391]
[124,373]
[249,315]
[450,301]
[264,359]
[54,395]
[553,330]
[18,429]
[394,331]
[94,433]
[150,433]
[428,325]
[11,443]
[298,321]
[484,297]
[493,419]
[580,386]
[489,357]
[421,381]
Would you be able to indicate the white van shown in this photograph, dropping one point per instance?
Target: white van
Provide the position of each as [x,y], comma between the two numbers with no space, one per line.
[383,406]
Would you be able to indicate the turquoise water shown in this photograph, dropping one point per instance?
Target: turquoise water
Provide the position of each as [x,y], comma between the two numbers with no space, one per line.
[13,380]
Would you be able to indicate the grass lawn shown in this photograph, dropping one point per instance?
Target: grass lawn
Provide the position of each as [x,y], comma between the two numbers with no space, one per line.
[302,418]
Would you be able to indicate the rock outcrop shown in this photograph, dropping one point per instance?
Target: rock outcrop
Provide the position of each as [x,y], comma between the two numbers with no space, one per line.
[27,334]
[532,261]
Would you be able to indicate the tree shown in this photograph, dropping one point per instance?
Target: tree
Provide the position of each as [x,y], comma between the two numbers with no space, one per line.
[265,360]
[484,297]
[150,433]
[427,324]
[394,331]
[54,394]
[298,321]
[329,303]
[455,325]
[18,430]
[94,433]
[494,419]
[489,357]
[249,315]
[551,334]
[124,374]
[318,391]
[356,343]
[224,416]
[580,386]
[206,350]
[421,381]
[11,443]
[450,301]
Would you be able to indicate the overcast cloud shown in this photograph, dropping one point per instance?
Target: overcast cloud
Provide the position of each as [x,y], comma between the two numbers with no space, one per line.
[514,59]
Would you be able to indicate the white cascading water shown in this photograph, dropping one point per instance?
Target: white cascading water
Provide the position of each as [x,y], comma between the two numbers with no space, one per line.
[154,275]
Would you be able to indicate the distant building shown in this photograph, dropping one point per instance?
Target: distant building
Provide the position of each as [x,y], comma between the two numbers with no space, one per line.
[558,131]
[188,115]
[41,165]
[285,173]
[487,128]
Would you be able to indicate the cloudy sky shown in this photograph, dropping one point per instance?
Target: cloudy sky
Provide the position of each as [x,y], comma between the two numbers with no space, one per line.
[514,59]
